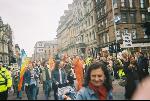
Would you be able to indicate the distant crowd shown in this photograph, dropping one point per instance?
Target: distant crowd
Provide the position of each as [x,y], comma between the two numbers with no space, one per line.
[76,77]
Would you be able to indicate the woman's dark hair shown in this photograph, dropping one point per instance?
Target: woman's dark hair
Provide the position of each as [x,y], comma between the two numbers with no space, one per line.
[96,65]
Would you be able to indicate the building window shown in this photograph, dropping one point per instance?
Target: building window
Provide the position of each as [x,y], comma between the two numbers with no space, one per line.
[1,58]
[89,22]
[133,17]
[106,23]
[105,9]
[133,32]
[143,17]
[90,38]
[104,37]
[92,20]
[122,3]
[145,36]
[98,1]
[94,35]
[86,24]
[40,44]
[124,17]
[107,37]
[87,38]
[82,38]
[102,23]
[101,12]
[131,3]
[1,47]
[115,4]
[142,3]
[98,15]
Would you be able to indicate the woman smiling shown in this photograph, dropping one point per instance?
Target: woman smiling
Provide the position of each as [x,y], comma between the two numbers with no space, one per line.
[97,85]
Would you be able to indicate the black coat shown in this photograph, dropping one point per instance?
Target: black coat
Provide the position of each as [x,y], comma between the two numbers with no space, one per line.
[132,82]
[142,67]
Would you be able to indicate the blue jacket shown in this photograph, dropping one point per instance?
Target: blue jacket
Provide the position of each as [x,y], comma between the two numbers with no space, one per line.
[88,94]
[27,77]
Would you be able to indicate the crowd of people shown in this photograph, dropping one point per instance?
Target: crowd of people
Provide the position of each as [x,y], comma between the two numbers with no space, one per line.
[90,77]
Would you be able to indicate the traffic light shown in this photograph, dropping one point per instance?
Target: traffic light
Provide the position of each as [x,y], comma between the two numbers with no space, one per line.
[118,47]
[146,25]
[111,48]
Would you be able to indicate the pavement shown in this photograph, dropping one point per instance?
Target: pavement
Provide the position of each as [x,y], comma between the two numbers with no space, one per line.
[40,96]
[118,93]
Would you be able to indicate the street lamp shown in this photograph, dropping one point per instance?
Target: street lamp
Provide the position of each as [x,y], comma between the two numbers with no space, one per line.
[115,20]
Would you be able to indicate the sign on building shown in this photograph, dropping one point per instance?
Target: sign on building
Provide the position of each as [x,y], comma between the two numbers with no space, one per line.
[118,36]
[127,40]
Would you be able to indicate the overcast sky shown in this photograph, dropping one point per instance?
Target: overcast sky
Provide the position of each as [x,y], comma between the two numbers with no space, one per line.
[32,20]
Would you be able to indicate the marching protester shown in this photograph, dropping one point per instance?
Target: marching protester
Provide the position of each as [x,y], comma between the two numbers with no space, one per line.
[132,78]
[37,70]
[97,85]
[69,81]
[59,77]
[30,78]
[78,68]
[142,65]
[5,82]
[47,81]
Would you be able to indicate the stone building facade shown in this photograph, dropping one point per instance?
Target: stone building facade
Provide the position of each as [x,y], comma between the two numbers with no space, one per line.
[90,25]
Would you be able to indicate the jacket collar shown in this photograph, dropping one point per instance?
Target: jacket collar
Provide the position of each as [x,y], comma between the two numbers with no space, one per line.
[90,91]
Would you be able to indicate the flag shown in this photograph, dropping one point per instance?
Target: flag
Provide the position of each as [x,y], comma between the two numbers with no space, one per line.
[117,19]
[24,62]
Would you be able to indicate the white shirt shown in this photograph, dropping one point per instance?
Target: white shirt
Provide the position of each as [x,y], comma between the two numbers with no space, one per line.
[60,76]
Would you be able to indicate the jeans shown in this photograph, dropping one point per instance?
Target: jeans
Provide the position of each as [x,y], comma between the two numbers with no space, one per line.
[19,94]
[27,90]
[47,87]
[55,88]
[31,92]
[37,92]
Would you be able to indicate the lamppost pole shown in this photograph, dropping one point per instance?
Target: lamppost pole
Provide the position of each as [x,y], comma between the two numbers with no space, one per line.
[113,12]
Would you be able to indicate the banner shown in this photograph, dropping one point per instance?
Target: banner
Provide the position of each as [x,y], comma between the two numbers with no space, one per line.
[24,63]
[127,40]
